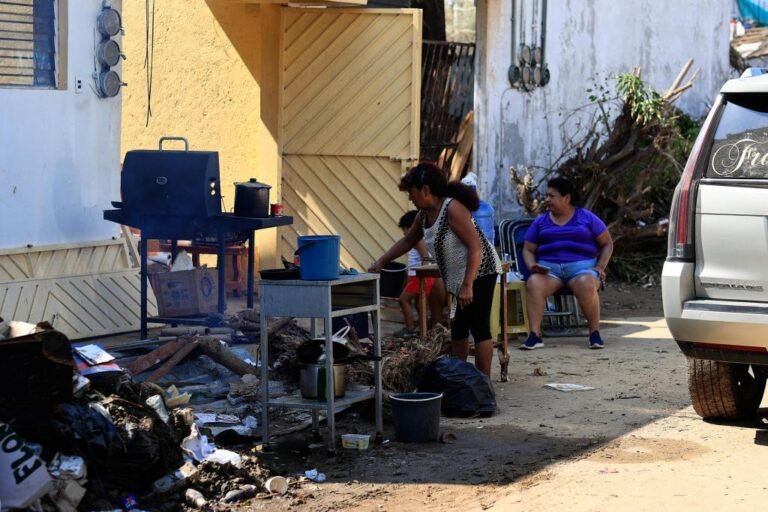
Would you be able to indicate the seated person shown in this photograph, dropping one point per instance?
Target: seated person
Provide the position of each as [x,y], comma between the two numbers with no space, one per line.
[565,246]
[434,287]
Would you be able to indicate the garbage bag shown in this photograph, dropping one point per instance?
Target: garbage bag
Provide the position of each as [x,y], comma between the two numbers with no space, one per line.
[466,390]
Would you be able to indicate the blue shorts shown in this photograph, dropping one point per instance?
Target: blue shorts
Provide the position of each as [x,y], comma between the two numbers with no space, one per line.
[567,271]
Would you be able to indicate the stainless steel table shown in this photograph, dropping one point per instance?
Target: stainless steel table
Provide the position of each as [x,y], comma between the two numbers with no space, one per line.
[322,300]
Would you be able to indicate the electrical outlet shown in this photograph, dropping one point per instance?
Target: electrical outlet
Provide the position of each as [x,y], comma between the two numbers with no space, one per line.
[79,85]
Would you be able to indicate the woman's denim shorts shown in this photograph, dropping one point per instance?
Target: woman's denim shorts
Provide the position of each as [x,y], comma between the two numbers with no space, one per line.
[567,271]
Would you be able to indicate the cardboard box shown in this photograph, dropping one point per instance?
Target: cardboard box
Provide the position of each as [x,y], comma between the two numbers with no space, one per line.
[187,292]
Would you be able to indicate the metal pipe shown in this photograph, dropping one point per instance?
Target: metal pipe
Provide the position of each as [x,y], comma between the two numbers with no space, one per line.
[543,31]
[512,35]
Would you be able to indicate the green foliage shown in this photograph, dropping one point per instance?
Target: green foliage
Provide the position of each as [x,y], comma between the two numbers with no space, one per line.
[645,103]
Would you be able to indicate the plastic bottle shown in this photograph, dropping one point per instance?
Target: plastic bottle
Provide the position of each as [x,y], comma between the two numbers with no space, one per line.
[484,214]
[195,498]
[484,219]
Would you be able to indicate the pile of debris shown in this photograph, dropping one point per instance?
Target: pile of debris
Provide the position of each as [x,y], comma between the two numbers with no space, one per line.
[89,429]
[154,423]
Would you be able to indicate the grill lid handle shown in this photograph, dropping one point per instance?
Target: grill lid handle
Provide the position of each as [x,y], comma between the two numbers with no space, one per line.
[186,142]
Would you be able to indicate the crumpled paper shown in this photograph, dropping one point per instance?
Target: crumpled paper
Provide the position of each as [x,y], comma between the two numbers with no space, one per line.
[198,448]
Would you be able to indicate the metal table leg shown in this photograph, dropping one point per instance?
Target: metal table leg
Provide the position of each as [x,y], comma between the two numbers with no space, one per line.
[251,269]
[330,389]
[375,319]
[264,360]
[221,264]
[143,291]
[315,426]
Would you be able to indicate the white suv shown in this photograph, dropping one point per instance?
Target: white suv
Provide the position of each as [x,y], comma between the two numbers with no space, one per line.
[715,278]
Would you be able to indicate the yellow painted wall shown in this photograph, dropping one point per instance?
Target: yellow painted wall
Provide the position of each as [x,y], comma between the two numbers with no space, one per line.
[206,87]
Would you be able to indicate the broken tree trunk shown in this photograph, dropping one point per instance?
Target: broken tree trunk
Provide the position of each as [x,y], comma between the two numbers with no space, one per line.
[221,353]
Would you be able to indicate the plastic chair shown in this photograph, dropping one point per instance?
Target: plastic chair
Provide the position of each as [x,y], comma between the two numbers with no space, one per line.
[562,316]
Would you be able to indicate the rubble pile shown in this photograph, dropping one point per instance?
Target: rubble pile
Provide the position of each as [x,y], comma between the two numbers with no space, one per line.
[94,435]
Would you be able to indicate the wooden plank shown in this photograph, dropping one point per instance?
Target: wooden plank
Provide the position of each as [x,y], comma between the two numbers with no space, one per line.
[169,365]
[465,139]
[133,249]
[160,354]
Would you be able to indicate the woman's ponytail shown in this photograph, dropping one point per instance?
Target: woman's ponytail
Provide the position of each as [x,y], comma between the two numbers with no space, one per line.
[429,174]
[464,194]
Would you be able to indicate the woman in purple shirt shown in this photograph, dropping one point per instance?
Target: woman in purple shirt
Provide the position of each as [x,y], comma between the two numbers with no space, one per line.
[565,246]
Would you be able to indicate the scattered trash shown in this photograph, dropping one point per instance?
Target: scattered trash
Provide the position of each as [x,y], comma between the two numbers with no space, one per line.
[182,262]
[80,385]
[94,354]
[173,398]
[568,387]
[276,485]
[197,447]
[156,403]
[23,476]
[175,480]
[315,476]
[447,437]
[241,494]
[195,498]
[538,372]
[69,467]
[355,441]
[130,502]
[67,495]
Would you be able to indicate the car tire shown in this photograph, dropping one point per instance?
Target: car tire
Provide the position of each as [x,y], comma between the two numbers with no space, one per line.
[724,391]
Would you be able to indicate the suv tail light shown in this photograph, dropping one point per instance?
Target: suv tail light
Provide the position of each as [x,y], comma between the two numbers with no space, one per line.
[681,218]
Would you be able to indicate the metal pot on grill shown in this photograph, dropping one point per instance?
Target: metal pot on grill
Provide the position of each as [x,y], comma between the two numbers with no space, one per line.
[252,199]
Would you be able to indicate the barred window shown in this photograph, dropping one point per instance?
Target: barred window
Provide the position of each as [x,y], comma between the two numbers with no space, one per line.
[28,47]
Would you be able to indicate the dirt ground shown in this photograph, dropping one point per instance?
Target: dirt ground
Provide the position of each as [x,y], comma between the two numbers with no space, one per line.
[544,449]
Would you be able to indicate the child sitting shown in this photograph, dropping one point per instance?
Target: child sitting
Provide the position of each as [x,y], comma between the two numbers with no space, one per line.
[433,287]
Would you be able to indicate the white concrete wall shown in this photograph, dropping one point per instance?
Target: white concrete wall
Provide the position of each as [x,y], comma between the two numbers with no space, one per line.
[585,39]
[60,151]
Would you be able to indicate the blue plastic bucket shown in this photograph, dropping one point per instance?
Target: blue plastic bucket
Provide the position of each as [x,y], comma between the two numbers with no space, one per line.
[319,257]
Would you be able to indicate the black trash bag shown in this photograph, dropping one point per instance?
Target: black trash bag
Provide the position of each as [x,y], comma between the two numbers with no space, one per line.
[467,392]
[86,430]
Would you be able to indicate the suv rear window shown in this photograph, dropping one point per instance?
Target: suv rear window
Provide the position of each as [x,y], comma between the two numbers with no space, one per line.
[740,146]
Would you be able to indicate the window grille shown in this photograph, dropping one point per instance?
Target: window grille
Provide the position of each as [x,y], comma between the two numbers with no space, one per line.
[28,43]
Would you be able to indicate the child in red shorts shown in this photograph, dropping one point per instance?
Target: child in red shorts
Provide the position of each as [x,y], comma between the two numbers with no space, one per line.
[411,291]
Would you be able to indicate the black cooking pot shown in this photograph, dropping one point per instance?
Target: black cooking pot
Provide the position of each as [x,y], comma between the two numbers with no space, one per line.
[252,199]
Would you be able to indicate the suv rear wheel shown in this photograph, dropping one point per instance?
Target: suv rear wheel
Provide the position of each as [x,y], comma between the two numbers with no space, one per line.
[724,390]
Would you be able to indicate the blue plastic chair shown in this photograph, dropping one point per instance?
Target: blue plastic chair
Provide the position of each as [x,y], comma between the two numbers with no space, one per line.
[563,315]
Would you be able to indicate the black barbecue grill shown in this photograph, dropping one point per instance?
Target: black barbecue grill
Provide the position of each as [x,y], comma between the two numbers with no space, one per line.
[176,195]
